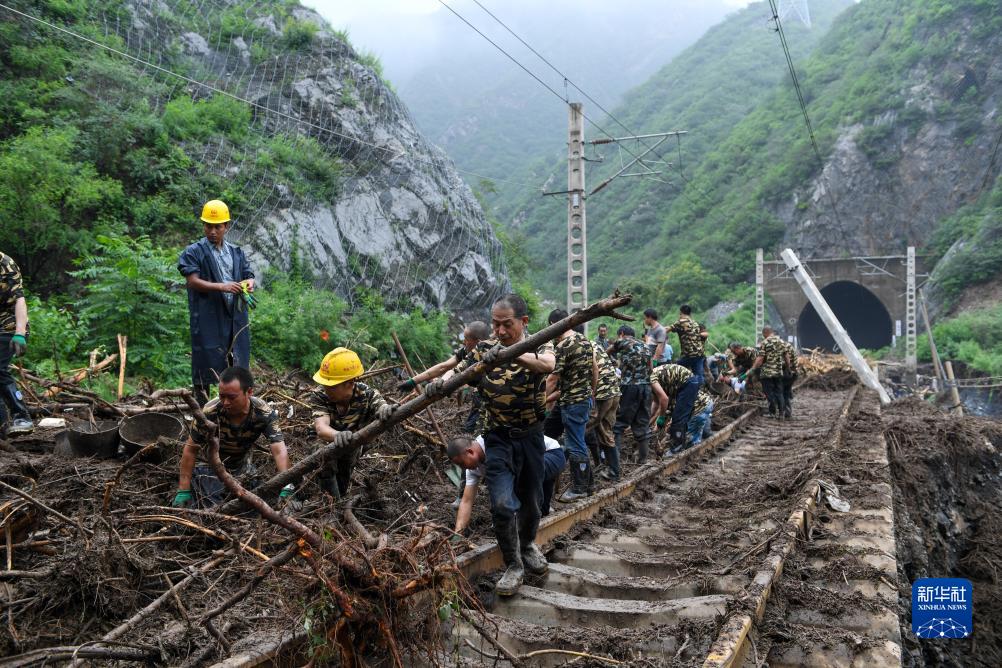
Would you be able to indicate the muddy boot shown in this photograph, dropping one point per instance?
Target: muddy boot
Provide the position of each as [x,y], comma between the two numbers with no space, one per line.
[20,418]
[788,412]
[643,449]
[515,572]
[534,559]
[611,472]
[579,482]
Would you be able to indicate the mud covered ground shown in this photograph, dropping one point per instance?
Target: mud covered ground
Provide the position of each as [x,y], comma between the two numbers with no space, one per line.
[948,518]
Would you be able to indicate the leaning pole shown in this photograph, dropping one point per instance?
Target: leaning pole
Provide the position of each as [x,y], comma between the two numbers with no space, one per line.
[838,332]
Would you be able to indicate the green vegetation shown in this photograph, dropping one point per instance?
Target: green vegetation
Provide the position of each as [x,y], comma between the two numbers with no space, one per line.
[972,336]
[747,151]
[97,198]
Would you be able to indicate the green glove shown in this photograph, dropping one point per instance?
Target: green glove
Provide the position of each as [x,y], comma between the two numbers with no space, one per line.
[662,420]
[743,376]
[407,385]
[18,344]
[287,491]
[182,499]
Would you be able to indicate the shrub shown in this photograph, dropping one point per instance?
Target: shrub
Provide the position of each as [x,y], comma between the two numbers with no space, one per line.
[185,118]
[298,35]
[133,288]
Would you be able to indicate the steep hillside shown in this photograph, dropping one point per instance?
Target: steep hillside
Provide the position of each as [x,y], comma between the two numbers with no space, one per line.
[259,103]
[706,90]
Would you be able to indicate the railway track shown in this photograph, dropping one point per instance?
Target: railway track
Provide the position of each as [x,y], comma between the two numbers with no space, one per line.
[728,555]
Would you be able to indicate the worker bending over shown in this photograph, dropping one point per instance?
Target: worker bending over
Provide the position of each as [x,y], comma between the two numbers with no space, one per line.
[469,453]
[343,406]
[242,419]
[678,394]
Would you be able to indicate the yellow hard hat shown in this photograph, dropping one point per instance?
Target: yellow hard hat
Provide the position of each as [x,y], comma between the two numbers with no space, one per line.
[215,212]
[340,365]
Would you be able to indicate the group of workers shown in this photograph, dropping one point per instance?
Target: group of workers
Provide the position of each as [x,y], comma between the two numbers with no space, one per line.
[586,393]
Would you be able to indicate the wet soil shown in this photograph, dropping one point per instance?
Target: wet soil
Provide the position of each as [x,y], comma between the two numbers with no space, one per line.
[947,475]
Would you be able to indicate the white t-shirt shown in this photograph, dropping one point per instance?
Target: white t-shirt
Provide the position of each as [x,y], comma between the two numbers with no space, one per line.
[474,476]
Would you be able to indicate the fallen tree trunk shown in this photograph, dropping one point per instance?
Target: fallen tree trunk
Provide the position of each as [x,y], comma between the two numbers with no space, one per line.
[604,307]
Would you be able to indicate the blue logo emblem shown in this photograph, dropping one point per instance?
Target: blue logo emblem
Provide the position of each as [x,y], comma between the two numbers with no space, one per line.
[942,608]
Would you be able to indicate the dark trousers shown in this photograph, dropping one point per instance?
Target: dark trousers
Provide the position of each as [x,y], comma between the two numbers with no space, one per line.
[515,482]
[554,462]
[553,425]
[335,475]
[12,399]
[695,365]
[684,402]
[773,388]
[634,412]
[788,391]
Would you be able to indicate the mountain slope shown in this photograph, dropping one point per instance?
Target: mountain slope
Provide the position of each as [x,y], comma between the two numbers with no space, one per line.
[261,104]
[706,90]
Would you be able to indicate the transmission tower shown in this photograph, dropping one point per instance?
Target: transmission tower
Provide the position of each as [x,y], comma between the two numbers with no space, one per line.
[796,8]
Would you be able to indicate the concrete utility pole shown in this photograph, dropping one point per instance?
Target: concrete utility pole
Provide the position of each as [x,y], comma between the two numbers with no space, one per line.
[759,294]
[911,356]
[577,249]
[838,332]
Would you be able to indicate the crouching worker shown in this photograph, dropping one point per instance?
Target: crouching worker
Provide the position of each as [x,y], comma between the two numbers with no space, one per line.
[341,408]
[681,399]
[242,419]
[469,453]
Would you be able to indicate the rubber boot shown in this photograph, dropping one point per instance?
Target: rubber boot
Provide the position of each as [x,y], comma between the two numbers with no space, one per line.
[611,472]
[643,450]
[579,482]
[515,572]
[534,560]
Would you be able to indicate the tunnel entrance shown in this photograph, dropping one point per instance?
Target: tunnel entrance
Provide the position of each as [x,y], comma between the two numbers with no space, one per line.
[860,311]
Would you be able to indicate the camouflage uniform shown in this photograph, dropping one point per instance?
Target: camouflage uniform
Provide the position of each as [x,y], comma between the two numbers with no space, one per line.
[745,361]
[684,395]
[599,433]
[691,345]
[774,354]
[361,410]
[235,444]
[514,403]
[11,290]
[634,357]
[574,355]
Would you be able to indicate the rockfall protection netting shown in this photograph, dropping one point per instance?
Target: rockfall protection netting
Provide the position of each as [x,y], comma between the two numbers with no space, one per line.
[382,207]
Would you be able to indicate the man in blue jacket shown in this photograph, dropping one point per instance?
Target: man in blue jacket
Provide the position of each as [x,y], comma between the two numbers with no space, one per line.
[219,281]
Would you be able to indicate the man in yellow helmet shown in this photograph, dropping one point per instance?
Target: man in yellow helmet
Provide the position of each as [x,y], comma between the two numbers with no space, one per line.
[343,406]
[216,273]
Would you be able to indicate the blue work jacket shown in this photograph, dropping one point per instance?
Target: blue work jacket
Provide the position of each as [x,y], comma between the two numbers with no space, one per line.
[216,326]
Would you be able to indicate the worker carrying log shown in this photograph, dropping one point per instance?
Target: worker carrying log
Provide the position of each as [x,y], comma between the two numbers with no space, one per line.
[691,341]
[13,343]
[343,406]
[473,333]
[514,399]
[773,358]
[469,453]
[634,359]
[680,396]
[242,419]
[220,291]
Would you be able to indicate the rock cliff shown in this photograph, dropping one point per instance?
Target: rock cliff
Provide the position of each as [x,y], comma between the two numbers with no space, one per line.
[396,217]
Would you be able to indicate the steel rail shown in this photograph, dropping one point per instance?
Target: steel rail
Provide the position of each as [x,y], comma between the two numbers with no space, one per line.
[731,645]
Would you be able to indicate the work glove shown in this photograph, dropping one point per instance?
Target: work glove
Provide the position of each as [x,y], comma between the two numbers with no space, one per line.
[407,385]
[183,499]
[434,388]
[248,297]
[19,345]
[743,376]
[385,411]
[291,503]
[661,421]
[491,356]
[342,439]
